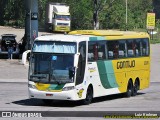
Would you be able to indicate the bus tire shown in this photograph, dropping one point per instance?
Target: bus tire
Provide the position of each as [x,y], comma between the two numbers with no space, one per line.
[89,96]
[129,89]
[135,88]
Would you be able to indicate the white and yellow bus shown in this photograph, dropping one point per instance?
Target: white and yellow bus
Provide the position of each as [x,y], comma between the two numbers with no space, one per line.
[89,63]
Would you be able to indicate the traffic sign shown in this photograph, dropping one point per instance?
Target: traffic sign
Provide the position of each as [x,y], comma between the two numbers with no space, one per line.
[150,20]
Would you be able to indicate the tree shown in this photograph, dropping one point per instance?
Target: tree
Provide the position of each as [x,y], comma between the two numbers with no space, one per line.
[98,7]
[86,14]
[12,12]
[81,14]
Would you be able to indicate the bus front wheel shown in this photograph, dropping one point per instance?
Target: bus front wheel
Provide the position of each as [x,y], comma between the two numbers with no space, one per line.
[89,96]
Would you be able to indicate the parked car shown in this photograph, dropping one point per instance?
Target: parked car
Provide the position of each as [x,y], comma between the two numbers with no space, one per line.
[9,40]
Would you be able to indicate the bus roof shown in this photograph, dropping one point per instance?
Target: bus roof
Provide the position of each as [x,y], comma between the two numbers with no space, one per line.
[93,35]
[112,34]
[97,32]
[106,32]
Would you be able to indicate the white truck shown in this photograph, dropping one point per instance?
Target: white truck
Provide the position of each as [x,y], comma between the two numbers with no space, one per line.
[57,17]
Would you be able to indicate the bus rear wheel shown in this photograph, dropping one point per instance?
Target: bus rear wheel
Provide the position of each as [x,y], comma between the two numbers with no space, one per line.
[89,96]
[135,88]
[129,90]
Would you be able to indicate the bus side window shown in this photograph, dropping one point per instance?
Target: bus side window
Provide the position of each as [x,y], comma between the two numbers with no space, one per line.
[95,51]
[90,56]
[110,54]
[145,47]
[101,50]
[137,48]
[122,49]
[112,49]
[91,51]
[115,51]
[130,48]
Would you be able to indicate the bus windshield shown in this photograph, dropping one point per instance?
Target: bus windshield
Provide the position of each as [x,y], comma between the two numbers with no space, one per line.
[52,61]
[52,68]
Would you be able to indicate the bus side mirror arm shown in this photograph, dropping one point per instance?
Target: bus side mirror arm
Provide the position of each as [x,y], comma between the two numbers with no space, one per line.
[76,58]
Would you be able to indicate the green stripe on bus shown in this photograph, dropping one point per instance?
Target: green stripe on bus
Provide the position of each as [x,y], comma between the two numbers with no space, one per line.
[96,38]
[56,86]
[106,74]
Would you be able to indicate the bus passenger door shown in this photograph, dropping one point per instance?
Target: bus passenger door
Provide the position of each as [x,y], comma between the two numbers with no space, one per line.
[81,63]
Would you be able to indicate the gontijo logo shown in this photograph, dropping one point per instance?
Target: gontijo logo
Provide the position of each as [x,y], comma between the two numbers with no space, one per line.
[126,64]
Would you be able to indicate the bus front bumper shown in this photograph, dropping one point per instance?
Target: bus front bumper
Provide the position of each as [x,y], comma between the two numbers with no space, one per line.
[63,95]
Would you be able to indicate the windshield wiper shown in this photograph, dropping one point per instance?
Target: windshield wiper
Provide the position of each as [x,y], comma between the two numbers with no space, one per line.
[38,77]
[54,79]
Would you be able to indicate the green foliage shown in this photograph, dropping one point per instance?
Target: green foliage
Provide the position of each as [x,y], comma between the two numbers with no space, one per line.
[81,14]
[111,15]
[12,13]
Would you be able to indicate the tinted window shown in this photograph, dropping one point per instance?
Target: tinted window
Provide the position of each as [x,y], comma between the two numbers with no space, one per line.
[122,49]
[101,51]
[130,48]
[137,51]
[96,51]
[113,47]
[92,51]
[145,47]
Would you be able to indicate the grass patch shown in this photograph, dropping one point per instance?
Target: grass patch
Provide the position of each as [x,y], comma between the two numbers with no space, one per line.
[155,38]
[154,41]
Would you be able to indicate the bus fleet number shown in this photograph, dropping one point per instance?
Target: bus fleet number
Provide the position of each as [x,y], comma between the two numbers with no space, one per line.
[146,62]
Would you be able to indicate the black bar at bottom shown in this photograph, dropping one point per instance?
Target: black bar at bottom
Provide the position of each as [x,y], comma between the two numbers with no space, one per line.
[103,114]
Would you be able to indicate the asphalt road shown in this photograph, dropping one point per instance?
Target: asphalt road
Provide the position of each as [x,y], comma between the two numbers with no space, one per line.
[14,97]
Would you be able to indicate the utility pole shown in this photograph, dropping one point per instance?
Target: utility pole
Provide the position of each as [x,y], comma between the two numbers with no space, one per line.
[26,38]
[31,22]
[34,20]
[126,15]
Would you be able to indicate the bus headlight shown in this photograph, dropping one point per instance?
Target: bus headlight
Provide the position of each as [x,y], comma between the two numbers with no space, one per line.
[32,86]
[68,88]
